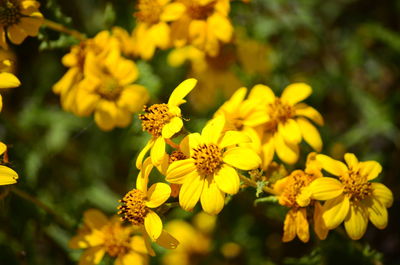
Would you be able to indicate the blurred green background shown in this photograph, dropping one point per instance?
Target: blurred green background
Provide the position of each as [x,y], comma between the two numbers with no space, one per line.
[347,50]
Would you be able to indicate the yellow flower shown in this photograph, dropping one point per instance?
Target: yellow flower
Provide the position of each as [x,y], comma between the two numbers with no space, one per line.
[7,175]
[352,198]
[108,90]
[19,19]
[136,208]
[204,25]
[286,122]
[210,172]
[152,30]
[100,236]
[289,189]
[194,240]
[162,121]
[7,80]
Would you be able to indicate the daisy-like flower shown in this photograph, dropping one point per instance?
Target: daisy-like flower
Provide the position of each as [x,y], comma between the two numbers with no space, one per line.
[204,25]
[162,121]
[7,80]
[353,198]
[108,90]
[7,175]
[152,30]
[100,236]
[136,208]
[286,124]
[19,19]
[210,170]
[289,189]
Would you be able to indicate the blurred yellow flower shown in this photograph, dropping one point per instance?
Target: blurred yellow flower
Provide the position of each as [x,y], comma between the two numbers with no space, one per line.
[289,189]
[162,121]
[286,122]
[152,30]
[19,19]
[100,236]
[7,80]
[210,170]
[195,241]
[7,175]
[136,208]
[204,24]
[352,198]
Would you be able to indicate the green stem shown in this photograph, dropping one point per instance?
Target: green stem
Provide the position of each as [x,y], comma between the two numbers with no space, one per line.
[61,28]
[252,183]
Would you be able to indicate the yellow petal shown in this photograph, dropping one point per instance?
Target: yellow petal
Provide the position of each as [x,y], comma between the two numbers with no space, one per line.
[319,224]
[242,158]
[302,229]
[382,194]
[212,198]
[147,242]
[351,161]
[227,180]
[133,97]
[287,152]
[160,34]
[234,102]
[181,91]
[86,239]
[296,92]
[289,226]
[157,151]
[378,214]
[290,131]
[356,222]
[179,170]
[303,109]
[157,194]
[370,169]
[16,34]
[31,25]
[166,240]
[153,225]
[138,244]
[331,165]
[3,148]
[191,191]
[172,12]
[325,188]
[8,80]
[105,115]
[7,175]
[95,219]
[220,26]
[92,256]
[233,138]
[211,133]
[335,211]
[268,151]
[310,134]
[172,127]
[131,258]
[143,152]
[262,93]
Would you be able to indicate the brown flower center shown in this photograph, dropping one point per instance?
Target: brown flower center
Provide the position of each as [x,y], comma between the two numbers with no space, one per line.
[149,11]
[10,12]
[297,180]
[356,186]
[278,112]
[197,11]
[208,158]
[109,88]
[176,155]
[133,207]
[154,118]
[116,239]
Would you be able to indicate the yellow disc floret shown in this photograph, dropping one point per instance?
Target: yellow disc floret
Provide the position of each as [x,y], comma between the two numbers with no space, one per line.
[356,186]
[116,239]
[279,112]
[154,118]
[149,11]
[208,158]
[133,208]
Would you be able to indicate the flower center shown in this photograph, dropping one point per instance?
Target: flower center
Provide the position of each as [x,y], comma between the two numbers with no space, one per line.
[176,155]
[9,12]
[297,180]
[133,208]
[149,11]
[356,186]
[197,11]
[116,239]
[154,118]
[278,112]
[208,158]
[109,89]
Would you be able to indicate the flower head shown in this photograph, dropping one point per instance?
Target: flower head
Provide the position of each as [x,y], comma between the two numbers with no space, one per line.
[210,170]
[19,19]
[351,198]
[100,236]
[7,175]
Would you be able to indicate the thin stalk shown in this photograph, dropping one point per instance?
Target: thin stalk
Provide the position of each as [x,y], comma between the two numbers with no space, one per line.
[252,183]
[61,28]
